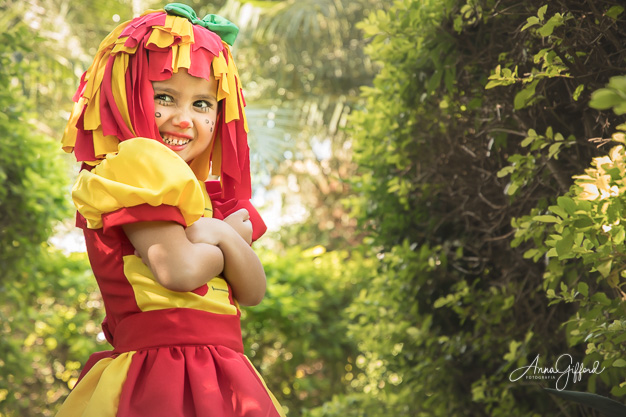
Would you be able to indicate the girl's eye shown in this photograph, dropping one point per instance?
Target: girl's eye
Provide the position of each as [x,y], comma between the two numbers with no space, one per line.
[203,105]
[163,99]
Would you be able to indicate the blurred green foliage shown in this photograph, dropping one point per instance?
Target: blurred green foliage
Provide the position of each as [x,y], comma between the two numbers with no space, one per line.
[297,336]
[478,117]
[48,308]
[450,249]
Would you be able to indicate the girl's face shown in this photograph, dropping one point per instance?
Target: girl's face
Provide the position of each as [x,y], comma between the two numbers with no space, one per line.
[185,110]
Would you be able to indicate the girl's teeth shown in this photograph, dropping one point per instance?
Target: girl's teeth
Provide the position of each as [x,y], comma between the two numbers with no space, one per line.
[175,141]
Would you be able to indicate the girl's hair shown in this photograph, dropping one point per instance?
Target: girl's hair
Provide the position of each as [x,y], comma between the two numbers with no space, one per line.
[115,98]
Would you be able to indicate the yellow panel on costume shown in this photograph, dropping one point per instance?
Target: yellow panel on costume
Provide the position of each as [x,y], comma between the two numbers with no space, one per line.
[98,393]
[150,295]
[143,172]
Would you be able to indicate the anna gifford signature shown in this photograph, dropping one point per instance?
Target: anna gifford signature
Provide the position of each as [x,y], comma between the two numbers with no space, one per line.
[561,371]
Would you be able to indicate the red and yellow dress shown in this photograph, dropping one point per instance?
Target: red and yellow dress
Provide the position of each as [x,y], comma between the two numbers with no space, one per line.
[175,353]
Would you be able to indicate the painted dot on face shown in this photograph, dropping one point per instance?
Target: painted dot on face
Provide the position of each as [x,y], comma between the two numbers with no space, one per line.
[207,121]
[157,114]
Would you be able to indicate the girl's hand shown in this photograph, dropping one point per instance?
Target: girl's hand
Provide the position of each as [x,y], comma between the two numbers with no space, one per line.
[240,221]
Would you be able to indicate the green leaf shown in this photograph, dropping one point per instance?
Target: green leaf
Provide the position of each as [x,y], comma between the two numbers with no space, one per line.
[527,141]
[530,253]
[542,11]
[619,363]
[601,298]
[564,246]
[605,268]
[554,22]
[604,98]
[578,92]
[559,211]
[554,150]
[531,21]
[512,189]
[583,288]
[505,171]
[618,83]
[546,218]
[567,203]
[614,11]
[525,96]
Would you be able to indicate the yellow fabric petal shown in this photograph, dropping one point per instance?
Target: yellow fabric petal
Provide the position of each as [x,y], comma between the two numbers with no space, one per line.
[245,119]
[228,82]
[98,393]
[104,145]
[160,37]
[143,172]
[69,135]
[219,72]
[182,57]
[92,113]
[120,46]
[180,26]
[120,65]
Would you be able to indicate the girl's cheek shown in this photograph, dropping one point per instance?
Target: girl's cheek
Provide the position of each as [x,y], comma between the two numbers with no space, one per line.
[160,114]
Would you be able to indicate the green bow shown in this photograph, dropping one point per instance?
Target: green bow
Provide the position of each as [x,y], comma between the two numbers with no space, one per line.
[224,28]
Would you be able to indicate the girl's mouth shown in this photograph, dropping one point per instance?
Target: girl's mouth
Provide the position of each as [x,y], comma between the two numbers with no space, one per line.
[175,141]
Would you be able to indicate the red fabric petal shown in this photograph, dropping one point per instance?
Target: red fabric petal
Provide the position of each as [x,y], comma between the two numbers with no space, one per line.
[81,88]
[205,39]
[201,64]
[83,149]
[160,67]
[110,117]
[141,96]
[147,21]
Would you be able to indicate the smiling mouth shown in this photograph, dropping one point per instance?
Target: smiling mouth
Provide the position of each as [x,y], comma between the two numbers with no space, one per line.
[174,141]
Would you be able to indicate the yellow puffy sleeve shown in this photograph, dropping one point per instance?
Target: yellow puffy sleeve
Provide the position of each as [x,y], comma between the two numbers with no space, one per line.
[144,181]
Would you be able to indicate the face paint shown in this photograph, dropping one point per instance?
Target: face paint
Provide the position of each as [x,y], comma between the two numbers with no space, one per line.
[157,114]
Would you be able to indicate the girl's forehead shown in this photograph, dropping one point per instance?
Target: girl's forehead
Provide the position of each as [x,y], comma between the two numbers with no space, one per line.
[183,80]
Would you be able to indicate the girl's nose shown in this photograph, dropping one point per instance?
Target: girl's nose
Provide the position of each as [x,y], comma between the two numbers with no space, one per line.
[184,124]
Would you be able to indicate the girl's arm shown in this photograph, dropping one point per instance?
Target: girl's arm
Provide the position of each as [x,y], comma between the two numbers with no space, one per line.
[242,268]
[176,263]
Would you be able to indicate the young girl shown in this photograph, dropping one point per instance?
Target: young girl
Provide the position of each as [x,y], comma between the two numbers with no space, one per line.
[160,109]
